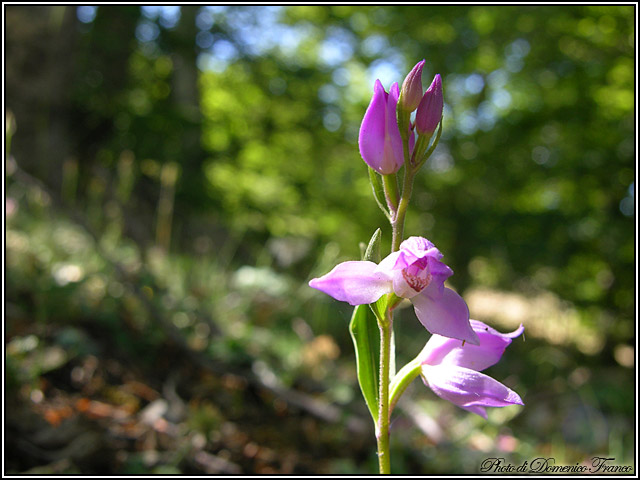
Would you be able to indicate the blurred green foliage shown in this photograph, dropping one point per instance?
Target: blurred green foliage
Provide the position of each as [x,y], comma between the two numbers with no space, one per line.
[200,164]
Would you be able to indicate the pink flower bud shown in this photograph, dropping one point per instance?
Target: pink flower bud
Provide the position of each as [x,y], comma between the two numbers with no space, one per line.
[411,91]
[429,111]
[379,140]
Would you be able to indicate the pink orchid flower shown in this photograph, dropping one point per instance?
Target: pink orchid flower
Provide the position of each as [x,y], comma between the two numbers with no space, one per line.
[414,272]
[451,369]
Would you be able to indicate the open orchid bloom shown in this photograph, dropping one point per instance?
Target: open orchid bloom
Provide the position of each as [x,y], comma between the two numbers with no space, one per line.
[414,272]
[451,369]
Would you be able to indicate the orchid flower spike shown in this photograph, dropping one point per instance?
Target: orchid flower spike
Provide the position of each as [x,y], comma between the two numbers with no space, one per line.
[451,369]
[414,272]
[379,139]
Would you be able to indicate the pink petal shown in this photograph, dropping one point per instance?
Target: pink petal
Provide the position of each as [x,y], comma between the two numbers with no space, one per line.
[447,316]
[443,350]
[412,87]
[429,111]
[394,152]
[379,140]
[478,410]
[467,388]
[357,283]
[371,140]
[415,248]
[388,263]
[439,273]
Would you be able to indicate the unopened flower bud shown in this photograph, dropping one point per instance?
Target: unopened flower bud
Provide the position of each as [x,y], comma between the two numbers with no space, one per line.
[429,111]
[411,91]
[379,139]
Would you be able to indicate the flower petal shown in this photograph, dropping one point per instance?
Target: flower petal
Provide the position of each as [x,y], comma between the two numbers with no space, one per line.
[416,248]
[439,273]
[394,150]
[389,262]
[412,88]
[429,111]
[478,410]
[447,316]
[357,283]
[443,350]
[479,326]
[467,388]
[371,139]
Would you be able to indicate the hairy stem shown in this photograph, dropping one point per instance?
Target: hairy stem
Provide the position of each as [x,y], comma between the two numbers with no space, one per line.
[397,221]
[382,428]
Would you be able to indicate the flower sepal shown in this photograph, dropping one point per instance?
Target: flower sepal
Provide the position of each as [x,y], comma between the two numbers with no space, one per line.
[422,153]
[375,179]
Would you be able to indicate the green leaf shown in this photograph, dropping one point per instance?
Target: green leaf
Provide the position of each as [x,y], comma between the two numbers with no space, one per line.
[372,253]
[366,337]
[366,340]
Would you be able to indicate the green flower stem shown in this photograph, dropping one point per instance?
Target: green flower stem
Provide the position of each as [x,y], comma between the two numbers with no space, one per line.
[419,158]
[397,221]
[401,381]
[398,210]
[386,324]
[382,428]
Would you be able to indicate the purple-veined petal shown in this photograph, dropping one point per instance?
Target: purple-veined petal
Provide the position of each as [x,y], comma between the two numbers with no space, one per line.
[447,316]
[467,388]
[443,350]
[407,287]
[355,282]
[390,265]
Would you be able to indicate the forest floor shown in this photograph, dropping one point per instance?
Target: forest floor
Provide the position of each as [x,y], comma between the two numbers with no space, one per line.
[108,414]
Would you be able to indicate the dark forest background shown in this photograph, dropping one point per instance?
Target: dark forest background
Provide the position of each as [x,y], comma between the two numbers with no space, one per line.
[176,175]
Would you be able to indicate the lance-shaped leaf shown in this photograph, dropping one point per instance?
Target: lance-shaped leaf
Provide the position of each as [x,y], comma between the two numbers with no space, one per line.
[364,332]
